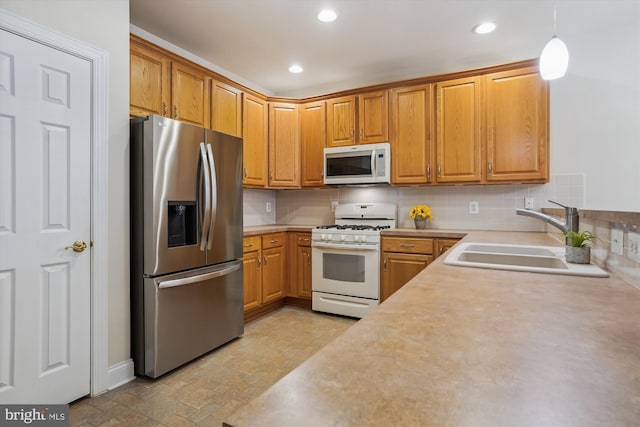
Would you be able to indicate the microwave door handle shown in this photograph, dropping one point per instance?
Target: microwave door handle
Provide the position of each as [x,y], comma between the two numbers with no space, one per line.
[206,174]
[373,163]
[214,196]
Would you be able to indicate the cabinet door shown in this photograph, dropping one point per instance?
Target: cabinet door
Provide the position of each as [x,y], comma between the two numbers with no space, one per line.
[517,126]
[443,245]
[255,131]
[190,95]
[341,121]
[273,280]
[149,82]
[313,134]
[411,127]
[284,145]
[303,278]
[459,130]
[226,108]
[373,117]
[398,269]
[252,271]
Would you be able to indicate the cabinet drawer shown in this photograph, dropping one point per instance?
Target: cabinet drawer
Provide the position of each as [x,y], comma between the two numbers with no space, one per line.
[303,239]
[273,240]
[407,245]
[251,244]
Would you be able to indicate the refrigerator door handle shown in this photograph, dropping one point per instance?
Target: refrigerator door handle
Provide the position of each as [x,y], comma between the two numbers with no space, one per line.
[214,196]
[199,278]
[206,220]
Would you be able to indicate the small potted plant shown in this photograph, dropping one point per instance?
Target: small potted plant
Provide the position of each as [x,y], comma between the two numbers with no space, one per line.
[578,249]
[421,214]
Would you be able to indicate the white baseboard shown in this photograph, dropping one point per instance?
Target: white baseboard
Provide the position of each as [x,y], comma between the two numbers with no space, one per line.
[120,374]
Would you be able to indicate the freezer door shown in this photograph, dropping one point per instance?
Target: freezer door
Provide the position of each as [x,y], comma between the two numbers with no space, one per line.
[225,235]
[187,315]
[173,214]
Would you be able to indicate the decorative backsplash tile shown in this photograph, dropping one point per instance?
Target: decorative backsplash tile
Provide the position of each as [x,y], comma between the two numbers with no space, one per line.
[254,207]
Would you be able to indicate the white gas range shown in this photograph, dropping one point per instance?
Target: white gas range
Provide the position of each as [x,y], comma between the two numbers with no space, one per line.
[346,258]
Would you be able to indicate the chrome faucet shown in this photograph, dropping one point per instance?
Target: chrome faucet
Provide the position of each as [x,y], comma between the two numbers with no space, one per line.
[571,223]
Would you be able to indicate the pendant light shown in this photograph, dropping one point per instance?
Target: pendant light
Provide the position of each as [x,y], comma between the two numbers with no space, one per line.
[554,59]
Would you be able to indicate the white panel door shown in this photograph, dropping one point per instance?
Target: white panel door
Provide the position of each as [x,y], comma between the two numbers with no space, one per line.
[45,206]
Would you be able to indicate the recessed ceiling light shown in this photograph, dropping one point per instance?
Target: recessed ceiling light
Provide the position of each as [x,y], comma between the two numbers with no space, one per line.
[484,28]
[296,69]
[327,15]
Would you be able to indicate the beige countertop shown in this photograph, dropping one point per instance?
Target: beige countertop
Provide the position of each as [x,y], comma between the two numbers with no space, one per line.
[463,346]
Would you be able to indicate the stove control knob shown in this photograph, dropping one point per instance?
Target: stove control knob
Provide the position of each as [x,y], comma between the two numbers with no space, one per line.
[343,237]
[363,238]
[323,237]
[356,238]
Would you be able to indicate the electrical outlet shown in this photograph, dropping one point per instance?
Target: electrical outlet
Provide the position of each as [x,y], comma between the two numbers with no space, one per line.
[334,203]
[633,252]
[474,208]
[617,238]
[528,202]
[268,207]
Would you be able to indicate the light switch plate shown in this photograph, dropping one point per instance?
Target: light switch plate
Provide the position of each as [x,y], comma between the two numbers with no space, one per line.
[334,204]
[528,202]
[633,251]
[268,207]
[474,208]
[617,237]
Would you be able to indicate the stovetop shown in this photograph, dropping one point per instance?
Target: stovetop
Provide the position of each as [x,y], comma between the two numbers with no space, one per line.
[354,227]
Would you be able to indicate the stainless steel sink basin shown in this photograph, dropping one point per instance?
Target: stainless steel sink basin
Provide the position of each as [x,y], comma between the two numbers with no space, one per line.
[535,259]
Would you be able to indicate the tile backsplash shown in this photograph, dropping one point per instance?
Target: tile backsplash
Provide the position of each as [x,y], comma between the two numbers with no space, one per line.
[450,204]
[254,207]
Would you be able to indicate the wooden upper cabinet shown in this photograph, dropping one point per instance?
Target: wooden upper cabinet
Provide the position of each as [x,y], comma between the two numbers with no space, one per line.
[190,95]
[226,108]
[373,117]
[255,141]
[410,133]
[341,121]
[459,130]
[517,126]
[284,145]
[313,134]
[358,119]
[149,82]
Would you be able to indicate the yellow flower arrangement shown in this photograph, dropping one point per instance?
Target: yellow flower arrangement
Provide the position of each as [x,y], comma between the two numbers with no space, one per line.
[420,211]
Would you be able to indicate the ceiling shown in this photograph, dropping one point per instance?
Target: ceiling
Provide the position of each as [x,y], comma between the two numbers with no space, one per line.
[371,42]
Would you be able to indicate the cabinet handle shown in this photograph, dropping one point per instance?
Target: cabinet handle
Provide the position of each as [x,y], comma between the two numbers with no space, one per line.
[164,108]
[248,245]
[490,168]
[428,172]
[302,240]
[441,250]
[406,245]
[270,175]
[273,241]
[265,261]
[352,133]
[244,171]
[308,258]
[439,170]
[361,132]
[175,111]
[385,264]
[258,263]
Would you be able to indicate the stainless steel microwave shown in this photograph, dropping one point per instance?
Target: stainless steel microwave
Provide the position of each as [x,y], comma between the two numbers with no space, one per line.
[358,164]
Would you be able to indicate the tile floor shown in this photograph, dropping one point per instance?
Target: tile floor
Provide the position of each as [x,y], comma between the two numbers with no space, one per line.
[207,390]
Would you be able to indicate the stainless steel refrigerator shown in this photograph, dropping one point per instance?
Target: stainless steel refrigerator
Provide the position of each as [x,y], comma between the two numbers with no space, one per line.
[186,242]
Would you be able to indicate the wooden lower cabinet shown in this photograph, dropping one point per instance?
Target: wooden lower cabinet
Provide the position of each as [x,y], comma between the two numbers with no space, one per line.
[300,265]
[402,259]
[265,279]
[440,246]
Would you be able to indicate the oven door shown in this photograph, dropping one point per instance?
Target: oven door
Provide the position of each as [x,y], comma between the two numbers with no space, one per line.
[346,269]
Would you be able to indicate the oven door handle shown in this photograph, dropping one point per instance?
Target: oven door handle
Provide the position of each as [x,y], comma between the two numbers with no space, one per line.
[345,246]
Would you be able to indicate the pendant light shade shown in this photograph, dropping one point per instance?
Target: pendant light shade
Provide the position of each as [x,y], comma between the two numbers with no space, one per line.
[554,59]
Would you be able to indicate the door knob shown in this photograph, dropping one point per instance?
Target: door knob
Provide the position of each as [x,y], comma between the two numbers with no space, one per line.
[78,246]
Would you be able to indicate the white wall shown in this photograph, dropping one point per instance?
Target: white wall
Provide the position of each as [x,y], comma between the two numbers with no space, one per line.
[103,24]
[595,117]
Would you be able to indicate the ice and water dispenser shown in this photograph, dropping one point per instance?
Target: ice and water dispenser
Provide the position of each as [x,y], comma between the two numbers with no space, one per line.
[183,223]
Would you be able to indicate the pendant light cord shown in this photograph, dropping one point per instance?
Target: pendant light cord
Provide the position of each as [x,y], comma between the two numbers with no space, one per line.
[554,18]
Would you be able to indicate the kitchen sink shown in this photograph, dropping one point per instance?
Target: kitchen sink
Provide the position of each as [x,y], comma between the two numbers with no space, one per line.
[535,259]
